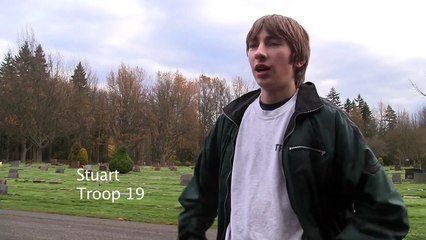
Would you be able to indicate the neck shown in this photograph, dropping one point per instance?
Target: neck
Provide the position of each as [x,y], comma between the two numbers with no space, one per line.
[278,95]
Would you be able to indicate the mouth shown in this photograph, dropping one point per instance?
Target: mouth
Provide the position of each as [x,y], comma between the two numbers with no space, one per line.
[261,68]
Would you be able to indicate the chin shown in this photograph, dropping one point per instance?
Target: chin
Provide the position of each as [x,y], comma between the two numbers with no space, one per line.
[266,85]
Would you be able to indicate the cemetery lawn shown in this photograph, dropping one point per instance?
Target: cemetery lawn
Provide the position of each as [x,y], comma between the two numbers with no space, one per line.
[59,194]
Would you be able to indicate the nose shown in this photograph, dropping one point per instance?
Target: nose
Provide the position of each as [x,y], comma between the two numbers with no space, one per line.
[260,52]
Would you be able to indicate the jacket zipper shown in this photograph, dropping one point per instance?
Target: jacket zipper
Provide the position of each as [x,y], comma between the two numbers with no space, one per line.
[294,125]
[227,180]
[282,153]
[309,148]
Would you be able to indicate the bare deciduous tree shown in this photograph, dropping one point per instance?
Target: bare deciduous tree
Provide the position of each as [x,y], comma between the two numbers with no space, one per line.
[172,115]
[126,98]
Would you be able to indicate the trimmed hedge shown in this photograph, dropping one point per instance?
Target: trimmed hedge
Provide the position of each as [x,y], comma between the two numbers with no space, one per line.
[121,161]
[74,153]
[83,157]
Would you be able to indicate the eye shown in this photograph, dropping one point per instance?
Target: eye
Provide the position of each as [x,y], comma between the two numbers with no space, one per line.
[253,45]
[275,43]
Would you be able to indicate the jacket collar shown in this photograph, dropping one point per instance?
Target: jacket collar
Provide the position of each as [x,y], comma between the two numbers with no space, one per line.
[308,100]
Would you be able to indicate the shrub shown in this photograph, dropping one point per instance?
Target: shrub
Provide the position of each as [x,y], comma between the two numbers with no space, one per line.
[74,152]
[83,157]
[121,161]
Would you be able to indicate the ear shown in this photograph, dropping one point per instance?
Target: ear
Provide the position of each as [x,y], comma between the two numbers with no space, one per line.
[300,64]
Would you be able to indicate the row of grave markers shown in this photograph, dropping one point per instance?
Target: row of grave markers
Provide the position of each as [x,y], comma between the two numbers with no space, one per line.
[13,173]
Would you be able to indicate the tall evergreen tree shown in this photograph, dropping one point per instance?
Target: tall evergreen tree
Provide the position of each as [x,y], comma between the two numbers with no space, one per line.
[34,99]
[369,122]
[334,97]
[390,118]
[79,78]
[40,71]
[347,106]
[21,97]
[7,69]
[7,77]
[23,64]
[364,108]
[81,108]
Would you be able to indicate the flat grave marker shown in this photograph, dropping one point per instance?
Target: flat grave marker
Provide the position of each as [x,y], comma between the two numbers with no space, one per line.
[103,167]
[60,169]
[15,164]
[3,187]
[420,178]
[409,173]
[44,167]
[136,168]
[396,178]
[185,179]
[13,173]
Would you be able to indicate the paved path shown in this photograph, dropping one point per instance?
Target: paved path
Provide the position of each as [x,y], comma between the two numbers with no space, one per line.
[22,225]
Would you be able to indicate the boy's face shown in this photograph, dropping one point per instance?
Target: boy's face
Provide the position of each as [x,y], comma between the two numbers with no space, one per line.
[269,58]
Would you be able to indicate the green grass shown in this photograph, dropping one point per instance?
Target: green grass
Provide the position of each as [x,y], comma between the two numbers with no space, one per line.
[415,199]
[159,204]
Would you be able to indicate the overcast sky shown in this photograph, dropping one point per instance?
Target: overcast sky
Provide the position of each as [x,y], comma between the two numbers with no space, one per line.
[367,47]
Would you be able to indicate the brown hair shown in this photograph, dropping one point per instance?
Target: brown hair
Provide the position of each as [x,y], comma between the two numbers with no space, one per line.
[292,32]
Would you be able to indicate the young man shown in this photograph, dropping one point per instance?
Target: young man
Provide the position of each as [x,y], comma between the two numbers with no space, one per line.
[283,163]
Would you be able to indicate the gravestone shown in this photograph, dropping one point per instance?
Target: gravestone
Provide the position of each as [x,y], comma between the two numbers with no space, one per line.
[1,164]
[409,173]
[157,167]
[396,177]
[15,163]
[3,187]
[60,169]
[54,182]
[39,180]
[54,161]
[44,167]
[185,179]
[397,167]
[103,167]
[136,168]
[173,168]
[74,164]
[407,162]
[13,173]
[88,169]
[419,178]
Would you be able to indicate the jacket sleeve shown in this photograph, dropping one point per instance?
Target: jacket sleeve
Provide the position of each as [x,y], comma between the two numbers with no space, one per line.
[378,209]
[200,198]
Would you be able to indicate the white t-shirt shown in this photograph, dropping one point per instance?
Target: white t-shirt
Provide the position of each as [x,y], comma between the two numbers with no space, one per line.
[260,207]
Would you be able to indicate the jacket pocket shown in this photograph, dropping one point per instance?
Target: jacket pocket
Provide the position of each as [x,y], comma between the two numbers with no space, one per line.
[322,152]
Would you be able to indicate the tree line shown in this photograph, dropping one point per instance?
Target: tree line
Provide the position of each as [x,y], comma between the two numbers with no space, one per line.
[44,110]
[396,137]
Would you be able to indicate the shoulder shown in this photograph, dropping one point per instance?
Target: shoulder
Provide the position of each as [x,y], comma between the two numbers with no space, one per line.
[332,108]
[339,116]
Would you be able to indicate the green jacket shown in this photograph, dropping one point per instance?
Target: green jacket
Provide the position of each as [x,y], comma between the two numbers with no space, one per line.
[336,186]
